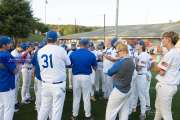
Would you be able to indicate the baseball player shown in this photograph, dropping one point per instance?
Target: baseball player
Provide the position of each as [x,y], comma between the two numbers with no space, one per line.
[37,78]
[168,77]
[73,48]
[121,72]
[99,71]
[52,61]
[16,53]
[82,63]
[109,55]
[93,74]
[26,75]
[142,78]
[7,80]
[133,54]
[149,77]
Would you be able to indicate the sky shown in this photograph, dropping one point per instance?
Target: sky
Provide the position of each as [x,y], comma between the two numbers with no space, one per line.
[91,12]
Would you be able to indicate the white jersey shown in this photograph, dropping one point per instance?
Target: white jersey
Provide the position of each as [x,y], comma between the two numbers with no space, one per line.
[27,57]
[144,60]
[107,64]
[52,60]
[99,57]
[132,53]
[171,64]
[16,54]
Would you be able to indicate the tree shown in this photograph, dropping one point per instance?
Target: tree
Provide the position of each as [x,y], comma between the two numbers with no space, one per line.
[16,18]
[41,27]
[70,29]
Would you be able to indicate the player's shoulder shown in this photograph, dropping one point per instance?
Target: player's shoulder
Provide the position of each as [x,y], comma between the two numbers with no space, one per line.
[5,55]
[13,51]
[172,53]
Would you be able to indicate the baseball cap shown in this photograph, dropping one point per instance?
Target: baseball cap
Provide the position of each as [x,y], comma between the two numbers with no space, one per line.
[52,35]
[4,40]
[23,46]
[91,44]
[113,42]
[141,42]
[84,41]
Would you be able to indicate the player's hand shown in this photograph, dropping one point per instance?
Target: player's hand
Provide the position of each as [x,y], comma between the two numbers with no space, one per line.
[162,72]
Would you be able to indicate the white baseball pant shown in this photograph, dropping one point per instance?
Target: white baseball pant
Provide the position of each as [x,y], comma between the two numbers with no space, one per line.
[37,91]
[52,98]
[108,86]
[81,84]
[142,85]
[26,77]
[164,96]
[70,78]
[118,103]
[92,76]
[7,102]
[134,93]
[16,86]
[99,77]
[149,76]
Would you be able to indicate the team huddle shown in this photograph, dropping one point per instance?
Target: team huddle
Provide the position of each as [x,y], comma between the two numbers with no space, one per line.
[120,69]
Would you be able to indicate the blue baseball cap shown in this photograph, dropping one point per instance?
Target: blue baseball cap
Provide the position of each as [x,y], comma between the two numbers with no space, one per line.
[113,42]
[23,46]
[4,40]
[141,42]
[52,35]
[84,41]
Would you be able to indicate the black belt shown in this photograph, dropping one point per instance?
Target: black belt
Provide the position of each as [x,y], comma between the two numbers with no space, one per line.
[53,82]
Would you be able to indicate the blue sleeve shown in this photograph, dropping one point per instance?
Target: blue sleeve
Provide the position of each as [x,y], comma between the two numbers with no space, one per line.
[94,62]
[71,58]
[115,68]
[11,66]
[34,59]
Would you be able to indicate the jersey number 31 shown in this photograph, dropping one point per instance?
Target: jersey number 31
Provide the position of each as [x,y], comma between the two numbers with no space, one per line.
[47,61]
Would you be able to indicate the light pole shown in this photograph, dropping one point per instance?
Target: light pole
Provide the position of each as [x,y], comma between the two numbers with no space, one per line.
[46,2]
[104,27]
[75,29]
[117,15]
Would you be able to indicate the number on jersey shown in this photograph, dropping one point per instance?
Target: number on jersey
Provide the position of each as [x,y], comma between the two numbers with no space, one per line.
[47,61]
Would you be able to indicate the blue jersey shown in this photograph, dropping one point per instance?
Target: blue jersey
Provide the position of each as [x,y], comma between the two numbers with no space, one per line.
[34,62]
[82,62]
[7,67]
[122,72]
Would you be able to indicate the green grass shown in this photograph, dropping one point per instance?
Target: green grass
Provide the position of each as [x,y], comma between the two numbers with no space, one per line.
[27,112]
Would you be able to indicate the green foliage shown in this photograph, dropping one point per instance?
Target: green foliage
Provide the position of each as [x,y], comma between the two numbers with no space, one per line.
[16,18]
[41,27]
[72,29]
[31,38]
[35,38]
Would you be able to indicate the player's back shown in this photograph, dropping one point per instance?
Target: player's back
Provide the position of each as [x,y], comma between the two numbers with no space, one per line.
[52,60]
